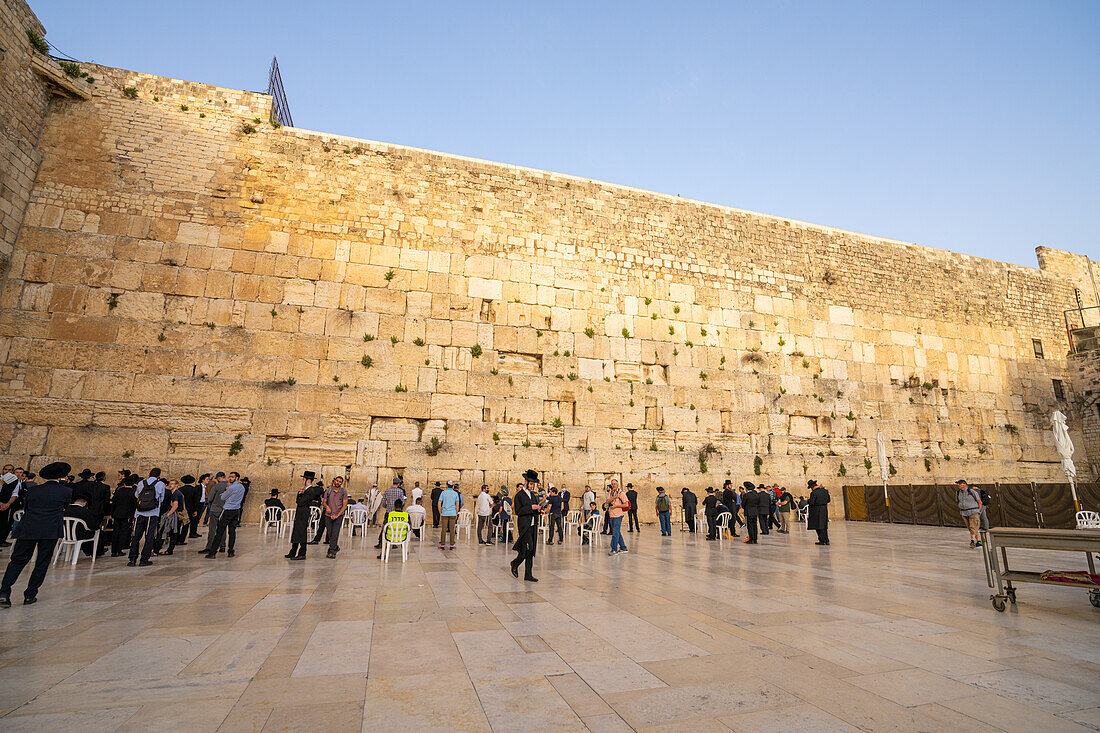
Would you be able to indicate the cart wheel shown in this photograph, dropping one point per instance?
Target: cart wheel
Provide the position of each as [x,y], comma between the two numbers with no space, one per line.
[1012,596]
[998,603]
[1094,599]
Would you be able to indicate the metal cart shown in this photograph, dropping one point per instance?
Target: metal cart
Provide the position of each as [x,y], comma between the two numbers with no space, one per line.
[997,540]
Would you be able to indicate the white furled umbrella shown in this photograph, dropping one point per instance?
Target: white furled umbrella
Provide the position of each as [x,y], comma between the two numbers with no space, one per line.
[1065,450]
[883,467]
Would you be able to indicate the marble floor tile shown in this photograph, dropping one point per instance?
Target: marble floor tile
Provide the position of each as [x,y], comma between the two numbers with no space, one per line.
[74,722]
[912,687]
[525,704]
[336,648]
[607,676]
[1035,690]
[417,703]
[794,717]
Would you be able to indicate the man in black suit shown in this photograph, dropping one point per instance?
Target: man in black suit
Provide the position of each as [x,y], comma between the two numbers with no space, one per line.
[632,514]
[750,502]
[95,494]
[691,505]
[526,508]
[79,510]
[123,506]
[38,531]
[710,509]
[818,516]
[435,504]
[729,498]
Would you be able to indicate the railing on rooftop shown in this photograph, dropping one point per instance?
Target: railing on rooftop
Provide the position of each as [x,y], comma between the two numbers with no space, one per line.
[1083,328]
[280,109]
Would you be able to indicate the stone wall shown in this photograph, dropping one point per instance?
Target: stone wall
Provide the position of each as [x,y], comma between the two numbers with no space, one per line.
[194,288]
[1085,368]
[24,100]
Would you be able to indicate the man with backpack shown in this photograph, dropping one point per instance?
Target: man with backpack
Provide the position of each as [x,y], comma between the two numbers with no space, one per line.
[970,507]
[663,505]
[149,494]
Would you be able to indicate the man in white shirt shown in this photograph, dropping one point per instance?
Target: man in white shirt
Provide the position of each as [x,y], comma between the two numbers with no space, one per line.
[417,508]
[484,515]
[416,492]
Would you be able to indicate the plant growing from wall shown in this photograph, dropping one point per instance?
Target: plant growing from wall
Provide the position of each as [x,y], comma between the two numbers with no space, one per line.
[38,43]
[867,465]
[757,462]
[891,470]
[390,274]
[393,340]
[589,332]
[496,437]
[418,341]
[367,361]
[626,333]
[653,446]
[236,446]
[130,92]
[248,129]
[290,381]
[400,388]
[368,337]
[675,309]
[843,471]
[704,454]
[432,446]
[928,465]
[112,301]
[184,108]
[475,351]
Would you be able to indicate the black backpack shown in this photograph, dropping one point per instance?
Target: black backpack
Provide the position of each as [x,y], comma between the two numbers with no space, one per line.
[986,498]
[147,497]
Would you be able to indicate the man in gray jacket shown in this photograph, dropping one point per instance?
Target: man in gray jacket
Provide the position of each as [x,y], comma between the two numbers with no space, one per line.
[970,507]
[215,503]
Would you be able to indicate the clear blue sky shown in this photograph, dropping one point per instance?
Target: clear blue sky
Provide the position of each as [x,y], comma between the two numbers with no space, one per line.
[973,127]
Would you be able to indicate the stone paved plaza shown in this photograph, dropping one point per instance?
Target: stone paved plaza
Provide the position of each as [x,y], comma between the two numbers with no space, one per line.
[888,629]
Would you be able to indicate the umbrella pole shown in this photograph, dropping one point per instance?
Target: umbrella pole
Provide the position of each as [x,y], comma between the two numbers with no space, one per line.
[1073,491]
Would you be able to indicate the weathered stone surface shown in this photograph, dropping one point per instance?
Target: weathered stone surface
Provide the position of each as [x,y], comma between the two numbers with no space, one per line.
[152,307]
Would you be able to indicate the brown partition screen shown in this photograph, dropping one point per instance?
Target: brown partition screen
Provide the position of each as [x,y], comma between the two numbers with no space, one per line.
[1018,505]
[876,504]
[1056,506]
[901,505]
[949,506]
[993,508]
[1089,496]
[926,505]
[855,503]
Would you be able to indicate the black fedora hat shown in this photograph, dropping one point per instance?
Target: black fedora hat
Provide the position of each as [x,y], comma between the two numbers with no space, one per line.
[531,475]
[86,473]
[188,479]
[748,486]
[310,475]
[55,470]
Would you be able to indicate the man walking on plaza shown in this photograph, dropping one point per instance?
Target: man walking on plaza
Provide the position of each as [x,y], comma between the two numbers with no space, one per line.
[335,505]
[447,509]
[818,517]
[663,505]
[37,532]
[784,506]
[149,495]
[632,513]
[232,498]
[484,508]
[557,516]
[970,507]
[526,513]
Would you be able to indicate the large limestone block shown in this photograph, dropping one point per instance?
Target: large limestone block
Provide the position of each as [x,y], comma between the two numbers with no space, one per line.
[301,451]
[678,418]
[98,442]
[395,428]
[49,412]
[456,407]
[486,289]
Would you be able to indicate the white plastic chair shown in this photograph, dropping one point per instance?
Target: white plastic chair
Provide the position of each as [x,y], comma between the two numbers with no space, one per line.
[273,517]
[701,523]
[803,513]
[314,521]
[357,517]
[723,522]
[1088,520]
[287,520]
[465,524]
[416,521]
[395,534]
[69,543]
[572,521]
[591,529]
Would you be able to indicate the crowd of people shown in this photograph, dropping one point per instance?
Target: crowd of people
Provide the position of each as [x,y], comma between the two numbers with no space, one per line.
[152,515]
[141,517]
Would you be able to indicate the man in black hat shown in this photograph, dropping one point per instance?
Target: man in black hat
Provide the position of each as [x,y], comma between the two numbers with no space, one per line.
[94,492]
[632,513]
[750,502]
[818,516]
[526,513]
[729,500]
[436,492]
[191,492]
[691,505]
[38,531]
[710,510]
[123,506]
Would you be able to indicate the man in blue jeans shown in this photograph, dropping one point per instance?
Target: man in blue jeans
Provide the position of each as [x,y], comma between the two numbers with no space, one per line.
[231,514]
[663,504]
[448,505]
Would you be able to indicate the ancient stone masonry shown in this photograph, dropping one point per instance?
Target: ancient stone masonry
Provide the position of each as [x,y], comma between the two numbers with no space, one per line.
[194,287]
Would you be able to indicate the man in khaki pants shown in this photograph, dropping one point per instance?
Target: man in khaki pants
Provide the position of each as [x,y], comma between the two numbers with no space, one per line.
[448,504]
